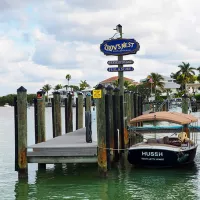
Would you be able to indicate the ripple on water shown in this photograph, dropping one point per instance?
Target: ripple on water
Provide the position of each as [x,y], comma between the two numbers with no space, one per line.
[82,181]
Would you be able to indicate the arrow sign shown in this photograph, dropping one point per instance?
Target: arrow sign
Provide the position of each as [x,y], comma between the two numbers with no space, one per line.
[120,69]
[120,62]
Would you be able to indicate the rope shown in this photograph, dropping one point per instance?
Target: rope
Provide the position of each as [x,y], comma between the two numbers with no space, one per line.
[113,149]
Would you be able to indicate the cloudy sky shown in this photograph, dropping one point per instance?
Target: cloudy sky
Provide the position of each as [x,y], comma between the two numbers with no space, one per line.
[42,41]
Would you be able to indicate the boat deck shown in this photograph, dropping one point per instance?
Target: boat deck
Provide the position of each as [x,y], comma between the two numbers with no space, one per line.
[68,148]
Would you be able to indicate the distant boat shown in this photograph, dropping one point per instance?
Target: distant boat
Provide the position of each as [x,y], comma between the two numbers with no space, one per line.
[7,105]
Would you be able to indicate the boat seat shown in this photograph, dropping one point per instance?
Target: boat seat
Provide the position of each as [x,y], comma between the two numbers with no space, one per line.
[160,141]
[166,140]
[151,141]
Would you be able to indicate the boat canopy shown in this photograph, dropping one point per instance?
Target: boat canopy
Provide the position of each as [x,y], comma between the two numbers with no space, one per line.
[174,117]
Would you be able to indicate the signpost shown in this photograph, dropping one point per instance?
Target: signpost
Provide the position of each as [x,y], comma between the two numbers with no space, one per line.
[123,62]
[119,47]
[120,69]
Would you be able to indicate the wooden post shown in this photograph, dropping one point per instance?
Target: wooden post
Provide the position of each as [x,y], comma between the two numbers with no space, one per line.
[126,111]
[101,132]
[135,104]
[185,110]
[80,110]
[88,126]
[40,129]
[109,124]
[57,114]
[68,114]
[16,134]
[116,123]
[88,116]
[120,73]
[138,105]
[53,117]
[185,104]
[129,109]
[107,119]
[88,103]
[77,113]
[141,110]
[22,132]
[132,105]
[122,142]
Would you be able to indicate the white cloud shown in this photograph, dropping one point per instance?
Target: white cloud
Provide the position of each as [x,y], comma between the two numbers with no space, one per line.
[42,41]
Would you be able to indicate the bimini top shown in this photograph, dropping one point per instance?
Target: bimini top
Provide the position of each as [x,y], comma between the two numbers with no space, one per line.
[174,117]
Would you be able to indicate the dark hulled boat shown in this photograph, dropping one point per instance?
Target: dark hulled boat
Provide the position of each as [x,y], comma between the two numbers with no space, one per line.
[166,151]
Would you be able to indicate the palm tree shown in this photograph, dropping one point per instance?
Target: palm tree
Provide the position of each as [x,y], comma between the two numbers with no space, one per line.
[68,77]
[185,74]
[83,84]
[157,81]
[46,88]
[126,84]
[57,87]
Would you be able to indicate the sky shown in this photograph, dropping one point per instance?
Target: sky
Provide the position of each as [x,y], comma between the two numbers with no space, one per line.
[42,41]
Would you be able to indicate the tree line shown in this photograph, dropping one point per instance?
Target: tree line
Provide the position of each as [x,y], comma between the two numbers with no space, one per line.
[153,84]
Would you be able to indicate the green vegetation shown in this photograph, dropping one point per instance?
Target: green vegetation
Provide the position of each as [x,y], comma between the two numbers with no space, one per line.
[152,85]
[47,88]
[10,99]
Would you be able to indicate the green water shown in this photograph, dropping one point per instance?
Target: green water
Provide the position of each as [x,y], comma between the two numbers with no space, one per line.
[83,182]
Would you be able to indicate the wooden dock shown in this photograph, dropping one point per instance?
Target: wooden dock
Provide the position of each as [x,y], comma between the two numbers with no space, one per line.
[67,148]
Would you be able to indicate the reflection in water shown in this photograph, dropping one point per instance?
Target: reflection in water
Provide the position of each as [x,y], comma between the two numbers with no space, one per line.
[124,182]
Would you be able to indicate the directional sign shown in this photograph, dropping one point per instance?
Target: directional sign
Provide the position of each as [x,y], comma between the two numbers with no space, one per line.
[120,62]
[120,69]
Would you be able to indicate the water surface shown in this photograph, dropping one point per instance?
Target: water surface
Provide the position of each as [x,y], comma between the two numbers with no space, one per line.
[83,181]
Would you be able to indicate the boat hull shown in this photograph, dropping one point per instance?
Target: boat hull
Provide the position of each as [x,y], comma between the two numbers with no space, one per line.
[161,157]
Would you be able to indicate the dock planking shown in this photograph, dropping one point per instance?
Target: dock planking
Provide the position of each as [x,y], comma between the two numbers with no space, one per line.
[67,148]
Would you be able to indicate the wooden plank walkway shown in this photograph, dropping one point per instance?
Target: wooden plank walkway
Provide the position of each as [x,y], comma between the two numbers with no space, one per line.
[68,148]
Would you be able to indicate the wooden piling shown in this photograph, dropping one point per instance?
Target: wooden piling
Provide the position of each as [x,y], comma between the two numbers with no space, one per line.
[109,123]
[22,132]
[68,114]
[88,103]
[185,110]
[80,110]
[77,107]
[126,114]
[88,126]
[101,132]
[185,104]
[107,119]
[135,104]
[16,134]
[40,129]
[122,141]
[116,123]
[56,114]
[132,105]
[129,109]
